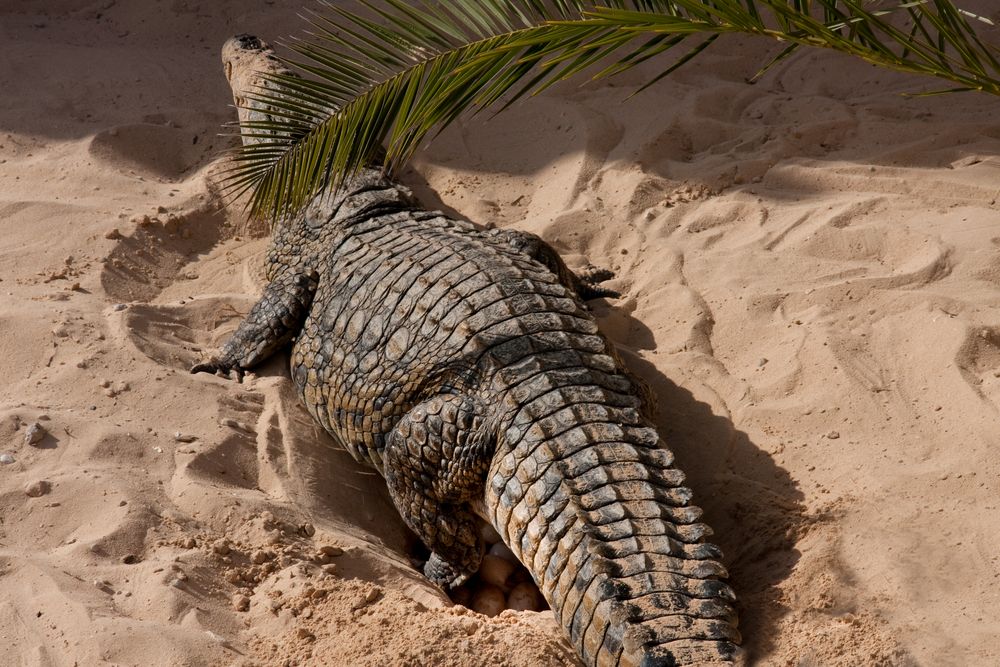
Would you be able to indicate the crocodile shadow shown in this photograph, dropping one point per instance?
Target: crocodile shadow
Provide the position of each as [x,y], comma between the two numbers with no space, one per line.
[753,504]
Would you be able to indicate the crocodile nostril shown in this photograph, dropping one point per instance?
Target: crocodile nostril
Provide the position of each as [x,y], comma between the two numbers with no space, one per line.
[249,42]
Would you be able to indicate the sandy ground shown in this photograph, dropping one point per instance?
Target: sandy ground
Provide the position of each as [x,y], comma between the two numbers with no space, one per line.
[810,269]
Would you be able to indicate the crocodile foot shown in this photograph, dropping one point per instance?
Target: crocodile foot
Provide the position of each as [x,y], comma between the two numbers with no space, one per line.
[444,574]
[589,283]
[220,368]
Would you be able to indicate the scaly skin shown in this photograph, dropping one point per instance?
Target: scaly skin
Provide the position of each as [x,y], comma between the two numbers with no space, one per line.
[463,365]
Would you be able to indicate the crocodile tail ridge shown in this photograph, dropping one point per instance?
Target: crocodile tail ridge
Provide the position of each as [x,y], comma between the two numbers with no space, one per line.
[600,516]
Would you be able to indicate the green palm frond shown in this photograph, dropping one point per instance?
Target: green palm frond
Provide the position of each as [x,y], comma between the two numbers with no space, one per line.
[403,69]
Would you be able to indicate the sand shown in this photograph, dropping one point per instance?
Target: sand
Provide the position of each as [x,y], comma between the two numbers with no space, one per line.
[809,269]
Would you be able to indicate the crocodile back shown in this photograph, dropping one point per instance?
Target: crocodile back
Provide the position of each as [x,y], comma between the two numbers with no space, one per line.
[411,304]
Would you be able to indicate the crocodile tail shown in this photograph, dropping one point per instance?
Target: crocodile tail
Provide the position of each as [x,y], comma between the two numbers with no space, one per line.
[598,514]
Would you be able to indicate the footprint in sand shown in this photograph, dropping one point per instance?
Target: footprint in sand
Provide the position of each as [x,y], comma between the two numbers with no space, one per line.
[847,246]
[979,362]
[152,257]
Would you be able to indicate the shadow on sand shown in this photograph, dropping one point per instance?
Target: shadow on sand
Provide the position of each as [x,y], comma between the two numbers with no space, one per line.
[752,503]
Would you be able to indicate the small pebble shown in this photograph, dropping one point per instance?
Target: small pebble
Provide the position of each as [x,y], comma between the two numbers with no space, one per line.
[241,602]
[469,625]
[232,423]
[114,234]
[6,459]
[113,391]
[833,435]
[260,556]
[119,307]
[184,437]
[130,559]
[189,543]
[489,600]
[368,598]
[37,489]
[330,550]
[221,547]
[34,434]
[307,529]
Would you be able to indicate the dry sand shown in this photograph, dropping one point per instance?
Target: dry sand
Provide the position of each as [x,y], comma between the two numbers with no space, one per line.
[810,269]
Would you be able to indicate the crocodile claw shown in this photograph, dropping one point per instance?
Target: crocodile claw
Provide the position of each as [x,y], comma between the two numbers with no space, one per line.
[589,286]
[595,274]
[217,367]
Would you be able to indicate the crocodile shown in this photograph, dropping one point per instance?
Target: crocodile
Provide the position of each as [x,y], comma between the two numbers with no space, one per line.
[463,364]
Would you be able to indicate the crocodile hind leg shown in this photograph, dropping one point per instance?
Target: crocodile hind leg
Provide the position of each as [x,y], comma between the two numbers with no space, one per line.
[586,283]
[435,463]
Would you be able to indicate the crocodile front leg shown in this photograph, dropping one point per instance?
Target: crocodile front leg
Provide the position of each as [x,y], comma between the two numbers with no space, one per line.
[272,323]
[434,464]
